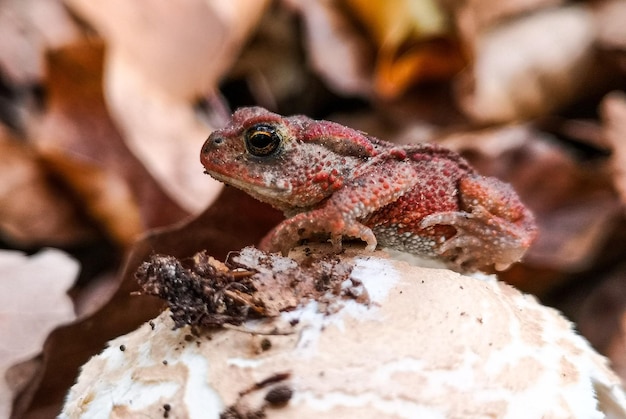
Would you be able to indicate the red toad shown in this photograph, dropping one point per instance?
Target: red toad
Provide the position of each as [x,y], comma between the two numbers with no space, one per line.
[331,179]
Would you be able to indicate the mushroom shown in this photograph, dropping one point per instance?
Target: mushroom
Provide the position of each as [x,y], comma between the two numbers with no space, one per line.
[427,343]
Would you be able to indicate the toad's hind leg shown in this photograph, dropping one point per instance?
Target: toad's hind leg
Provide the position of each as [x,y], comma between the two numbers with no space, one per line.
[493,226]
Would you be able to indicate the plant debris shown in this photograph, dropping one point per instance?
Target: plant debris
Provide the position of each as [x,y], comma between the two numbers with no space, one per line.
[252,284]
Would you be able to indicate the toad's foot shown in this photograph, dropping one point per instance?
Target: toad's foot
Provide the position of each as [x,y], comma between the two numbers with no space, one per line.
[481,239]
[287,234]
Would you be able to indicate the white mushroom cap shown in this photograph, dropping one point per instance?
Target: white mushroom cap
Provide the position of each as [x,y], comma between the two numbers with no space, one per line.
[432,344]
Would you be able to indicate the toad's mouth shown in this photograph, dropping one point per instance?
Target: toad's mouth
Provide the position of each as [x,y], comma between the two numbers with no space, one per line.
[255,187]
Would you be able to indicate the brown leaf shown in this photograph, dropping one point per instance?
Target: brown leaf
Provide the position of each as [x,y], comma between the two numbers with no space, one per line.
[159,63]
[392,23]
[163,132]
[433,60]
[337,53]
[79,142]
[106,195]
[34,302]
[406,42]
[474,17]
[27,29]
[529,66]
[413,40]
[33,209]
[183,48]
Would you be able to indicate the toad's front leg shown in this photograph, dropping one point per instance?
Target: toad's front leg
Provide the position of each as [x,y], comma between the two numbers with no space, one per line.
[325,220]
[381,182]
[492,228]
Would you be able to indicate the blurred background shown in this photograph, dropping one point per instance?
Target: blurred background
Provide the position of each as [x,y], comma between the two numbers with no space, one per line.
[104,107]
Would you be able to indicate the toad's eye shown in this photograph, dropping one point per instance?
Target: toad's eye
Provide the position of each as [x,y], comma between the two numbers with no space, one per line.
[262,140]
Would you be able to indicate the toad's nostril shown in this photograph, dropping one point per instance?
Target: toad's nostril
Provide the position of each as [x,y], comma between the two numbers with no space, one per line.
[211,143]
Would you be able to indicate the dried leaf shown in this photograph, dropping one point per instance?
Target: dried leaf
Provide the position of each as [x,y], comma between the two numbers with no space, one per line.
[408,42]
[428,61]
[474,17]
[160,62]
[163,132]
[337,53]
[107,196]
[395,22]
[183,48]
[33,209]
[413,41]
[79,142]
[529,66]
[27,29]
[34,302]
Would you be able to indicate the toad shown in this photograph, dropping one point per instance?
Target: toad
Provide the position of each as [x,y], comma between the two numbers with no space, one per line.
[338,182]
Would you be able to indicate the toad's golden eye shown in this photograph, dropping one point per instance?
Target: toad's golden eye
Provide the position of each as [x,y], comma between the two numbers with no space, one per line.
[262,140]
